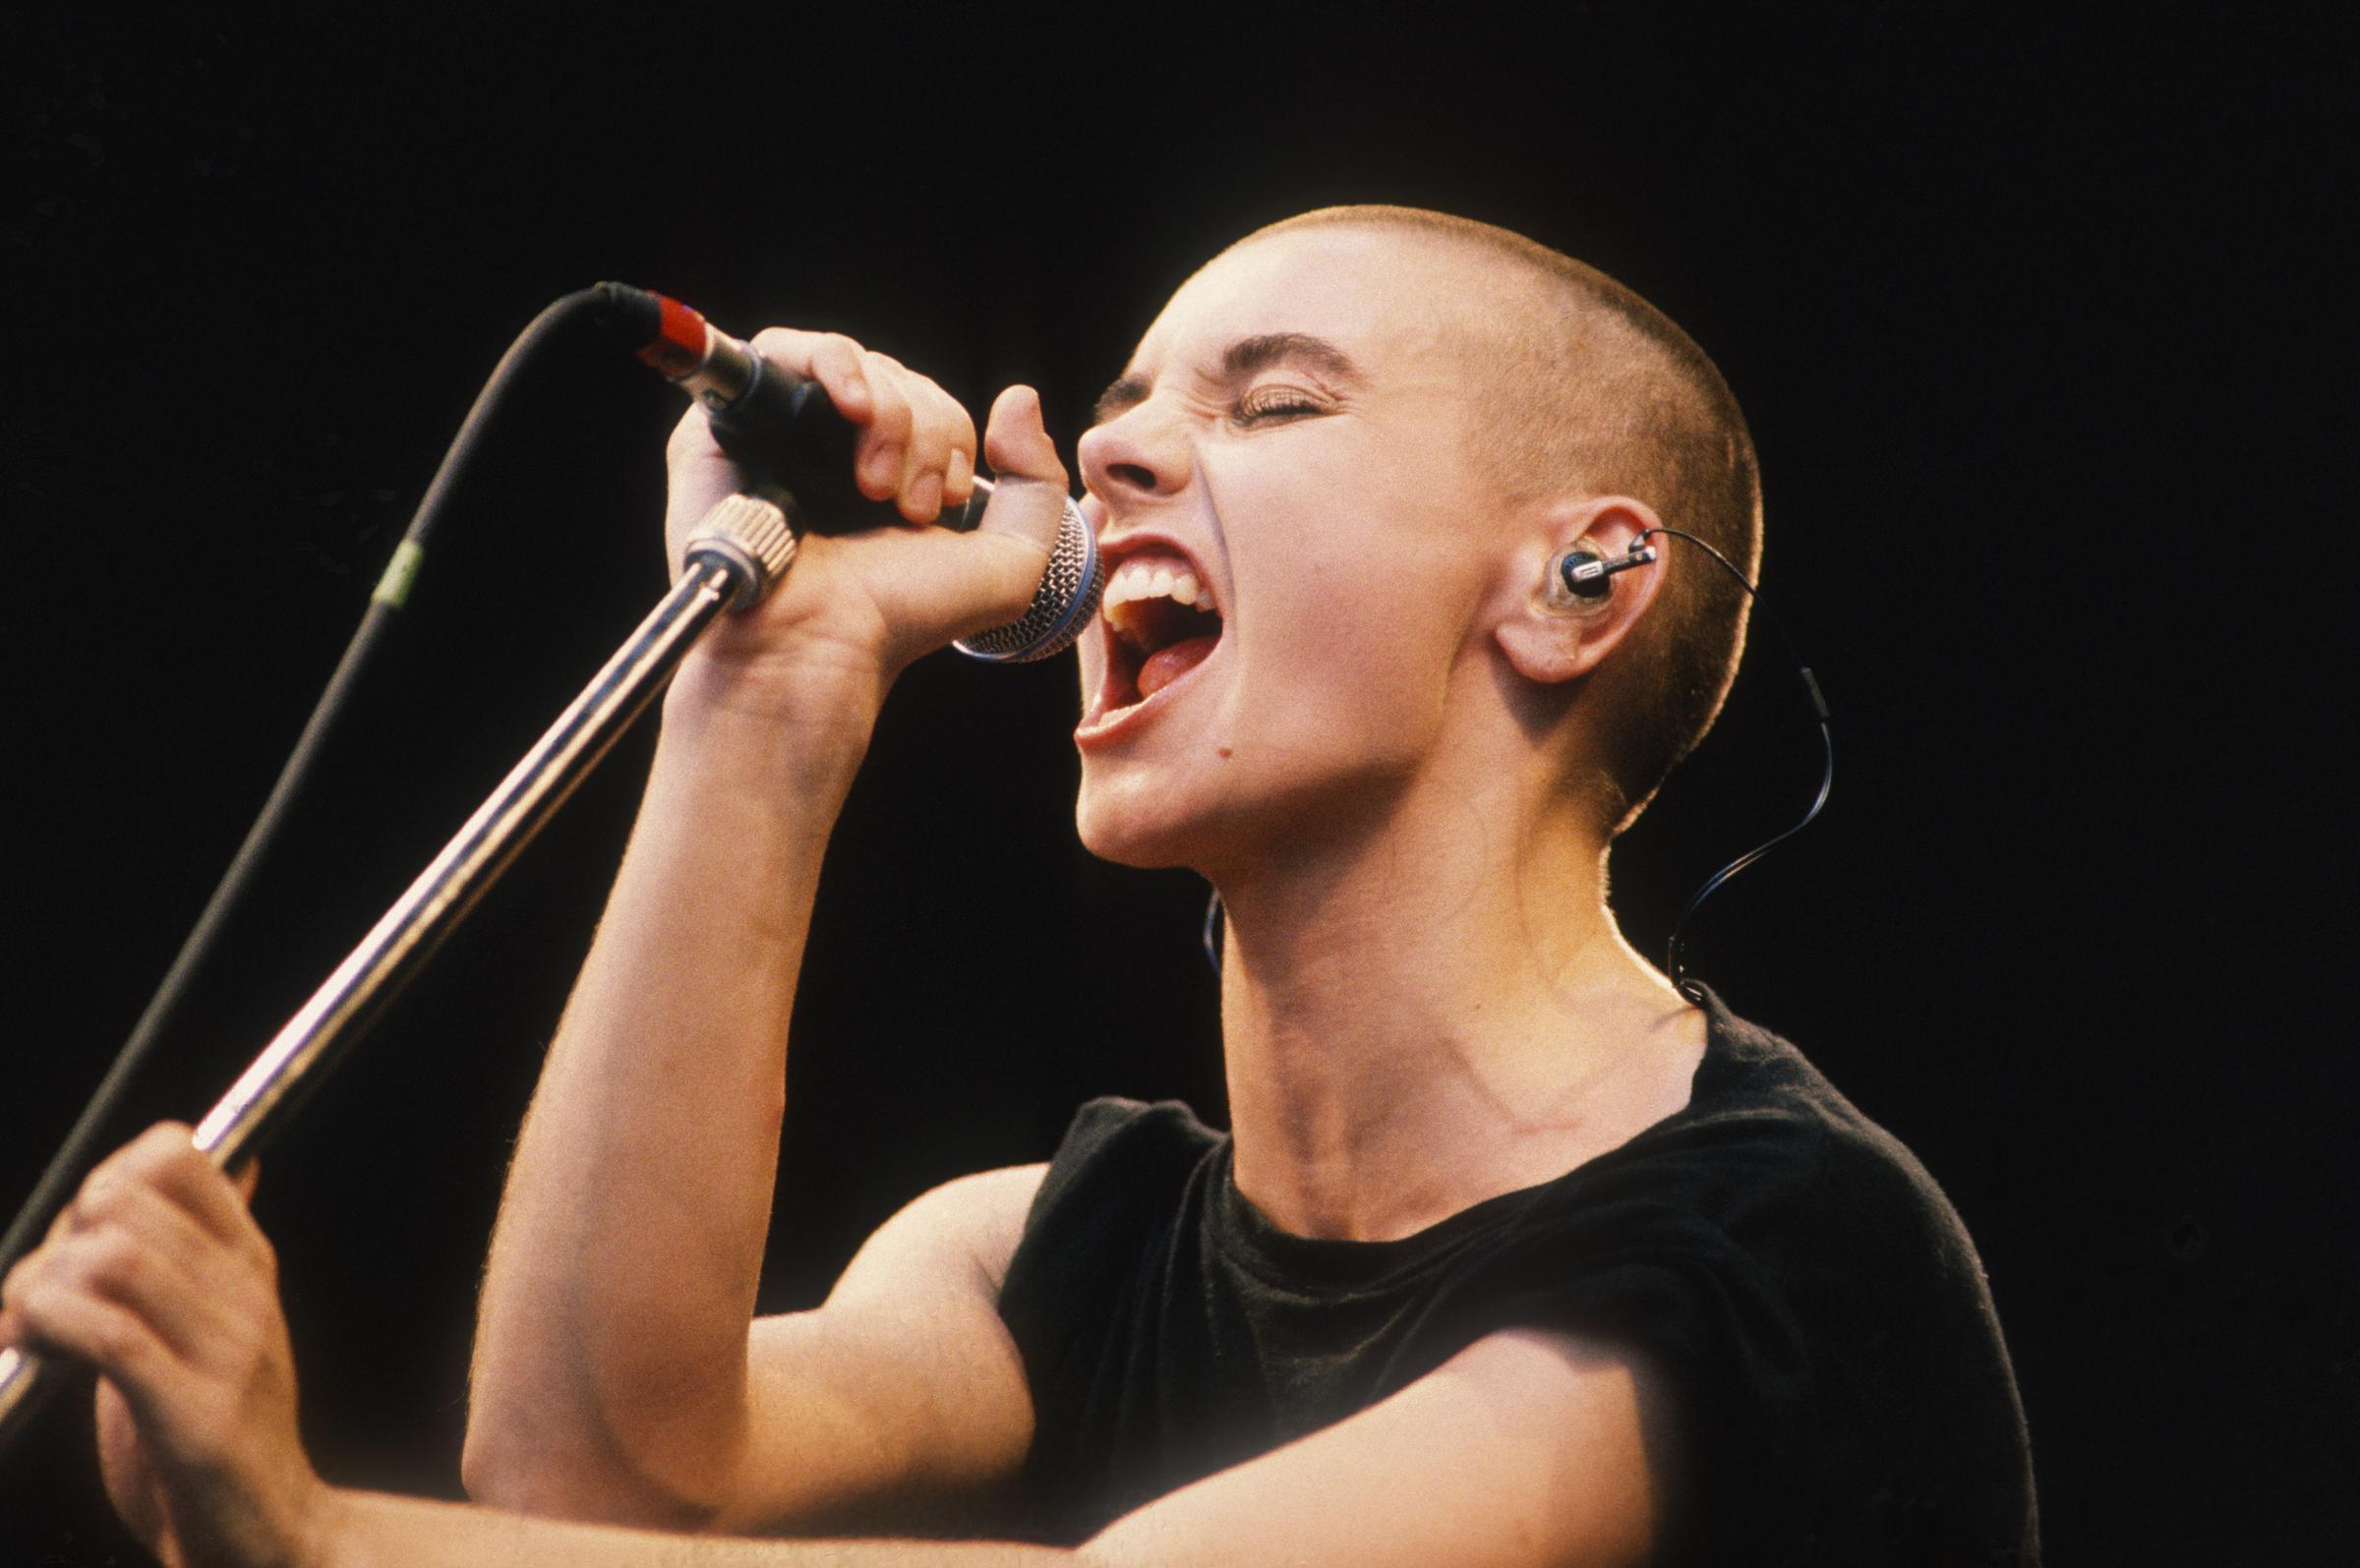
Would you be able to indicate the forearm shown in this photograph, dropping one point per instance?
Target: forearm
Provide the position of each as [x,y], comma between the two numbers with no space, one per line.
[370,1530]
[613,1327]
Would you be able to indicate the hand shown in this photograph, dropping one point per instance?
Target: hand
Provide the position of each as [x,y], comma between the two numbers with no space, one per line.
[855,608]
[157,1276]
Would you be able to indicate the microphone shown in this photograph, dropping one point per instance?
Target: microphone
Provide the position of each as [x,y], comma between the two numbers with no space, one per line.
[783,430]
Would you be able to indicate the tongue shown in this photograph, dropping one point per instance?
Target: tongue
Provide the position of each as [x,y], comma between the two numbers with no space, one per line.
[1167,664]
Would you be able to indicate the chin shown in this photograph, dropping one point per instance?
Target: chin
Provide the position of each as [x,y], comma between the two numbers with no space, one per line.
[1152,820]
[1135,827]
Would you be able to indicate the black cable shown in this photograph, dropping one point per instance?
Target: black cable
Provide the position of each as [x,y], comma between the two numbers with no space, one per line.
[70,1164]
[1674,963]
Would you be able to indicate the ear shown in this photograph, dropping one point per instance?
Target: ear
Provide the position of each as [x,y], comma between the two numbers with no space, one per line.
[1551,645]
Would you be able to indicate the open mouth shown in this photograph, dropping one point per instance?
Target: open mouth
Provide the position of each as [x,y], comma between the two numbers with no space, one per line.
[1164,626]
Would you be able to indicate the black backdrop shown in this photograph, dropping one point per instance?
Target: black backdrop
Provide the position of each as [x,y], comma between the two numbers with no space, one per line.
[2035,326]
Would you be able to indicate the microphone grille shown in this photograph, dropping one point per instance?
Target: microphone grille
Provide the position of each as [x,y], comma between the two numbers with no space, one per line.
[1068,596]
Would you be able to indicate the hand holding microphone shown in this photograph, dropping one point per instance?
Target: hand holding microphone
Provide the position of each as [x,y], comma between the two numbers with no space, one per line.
[869,447]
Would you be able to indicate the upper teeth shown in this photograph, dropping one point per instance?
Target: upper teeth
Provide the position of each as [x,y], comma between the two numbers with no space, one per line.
[1147,579]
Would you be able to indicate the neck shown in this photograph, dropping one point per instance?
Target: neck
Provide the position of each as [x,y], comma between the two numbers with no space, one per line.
[1426,1017]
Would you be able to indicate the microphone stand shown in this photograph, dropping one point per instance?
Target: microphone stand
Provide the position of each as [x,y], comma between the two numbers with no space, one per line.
[737,552]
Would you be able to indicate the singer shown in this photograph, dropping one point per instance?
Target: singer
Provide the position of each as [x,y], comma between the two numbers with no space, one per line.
[1513,1256]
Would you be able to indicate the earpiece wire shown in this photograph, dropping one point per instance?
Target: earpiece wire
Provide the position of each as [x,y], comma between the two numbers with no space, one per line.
[1674,949]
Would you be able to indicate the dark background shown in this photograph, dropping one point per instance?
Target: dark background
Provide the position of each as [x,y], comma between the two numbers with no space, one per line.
[2034,325]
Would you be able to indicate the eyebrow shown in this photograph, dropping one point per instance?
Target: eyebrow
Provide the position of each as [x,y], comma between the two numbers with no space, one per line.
[1240,360]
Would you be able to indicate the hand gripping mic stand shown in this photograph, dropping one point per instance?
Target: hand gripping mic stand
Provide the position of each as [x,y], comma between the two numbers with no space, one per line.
[736,554]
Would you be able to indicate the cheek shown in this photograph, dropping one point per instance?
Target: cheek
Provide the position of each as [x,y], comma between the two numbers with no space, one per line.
[1369,628]
[1346,686]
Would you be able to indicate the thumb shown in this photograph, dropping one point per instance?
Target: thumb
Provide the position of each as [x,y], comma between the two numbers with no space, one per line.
[1030,494]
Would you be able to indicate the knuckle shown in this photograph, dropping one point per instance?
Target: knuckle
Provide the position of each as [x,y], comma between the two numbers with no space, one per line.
[165,1140]
[944,421]
[119,1340]
[102,1197]
[113,1264]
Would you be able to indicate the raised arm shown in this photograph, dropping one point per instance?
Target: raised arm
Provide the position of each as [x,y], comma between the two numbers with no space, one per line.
[612,1376]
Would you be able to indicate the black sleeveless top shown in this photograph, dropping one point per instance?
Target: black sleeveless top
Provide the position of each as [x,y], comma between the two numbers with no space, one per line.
[1839,1388]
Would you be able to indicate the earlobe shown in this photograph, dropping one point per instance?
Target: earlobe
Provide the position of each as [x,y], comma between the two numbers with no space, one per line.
[1549,647]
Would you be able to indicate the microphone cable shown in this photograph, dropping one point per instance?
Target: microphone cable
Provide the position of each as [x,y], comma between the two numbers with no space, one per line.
[78,1152]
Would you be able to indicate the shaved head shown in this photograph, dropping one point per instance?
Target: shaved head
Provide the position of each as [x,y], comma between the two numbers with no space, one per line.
[1582,388]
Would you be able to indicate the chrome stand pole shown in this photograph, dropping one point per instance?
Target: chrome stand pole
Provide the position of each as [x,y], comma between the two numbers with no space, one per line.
[741,548]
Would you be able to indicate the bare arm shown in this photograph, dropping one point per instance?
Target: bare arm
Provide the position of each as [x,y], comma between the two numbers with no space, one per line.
[1525,1450]
[612,1372]
[610,1344]
[905,1385]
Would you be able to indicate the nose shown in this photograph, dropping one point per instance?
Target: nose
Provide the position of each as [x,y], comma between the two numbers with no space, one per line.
[1136,457]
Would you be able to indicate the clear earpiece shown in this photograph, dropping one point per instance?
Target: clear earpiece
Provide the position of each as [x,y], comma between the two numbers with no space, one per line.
[1580,580]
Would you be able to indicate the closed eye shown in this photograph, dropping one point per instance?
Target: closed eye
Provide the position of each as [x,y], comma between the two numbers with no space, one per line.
[1268,403]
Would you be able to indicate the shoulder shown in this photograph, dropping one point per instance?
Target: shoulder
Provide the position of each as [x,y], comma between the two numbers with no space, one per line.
[969,1226]
[1767,1141]
[1846,1306]
[1112,1128]
[1842,1177]
[973,1226]
[1117,1156]
[1108,1206]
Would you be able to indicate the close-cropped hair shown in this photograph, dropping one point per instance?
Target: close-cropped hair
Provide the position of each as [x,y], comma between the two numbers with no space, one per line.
[1583,388]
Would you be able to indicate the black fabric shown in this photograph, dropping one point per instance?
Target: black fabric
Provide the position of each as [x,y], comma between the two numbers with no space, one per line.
[1839,1390]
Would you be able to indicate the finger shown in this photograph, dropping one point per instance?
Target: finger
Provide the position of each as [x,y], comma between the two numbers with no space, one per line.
[959,467]
[833,359]
[140,1162]
[938,427]
[185,1311]
[692,442]
[129,1471]
[988,578]
[152,1257]
[879,459]
[164,1158]
[1030,498]
[62,1320]
[1016,443]
[245,1179]
[698,474]
[959,480]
